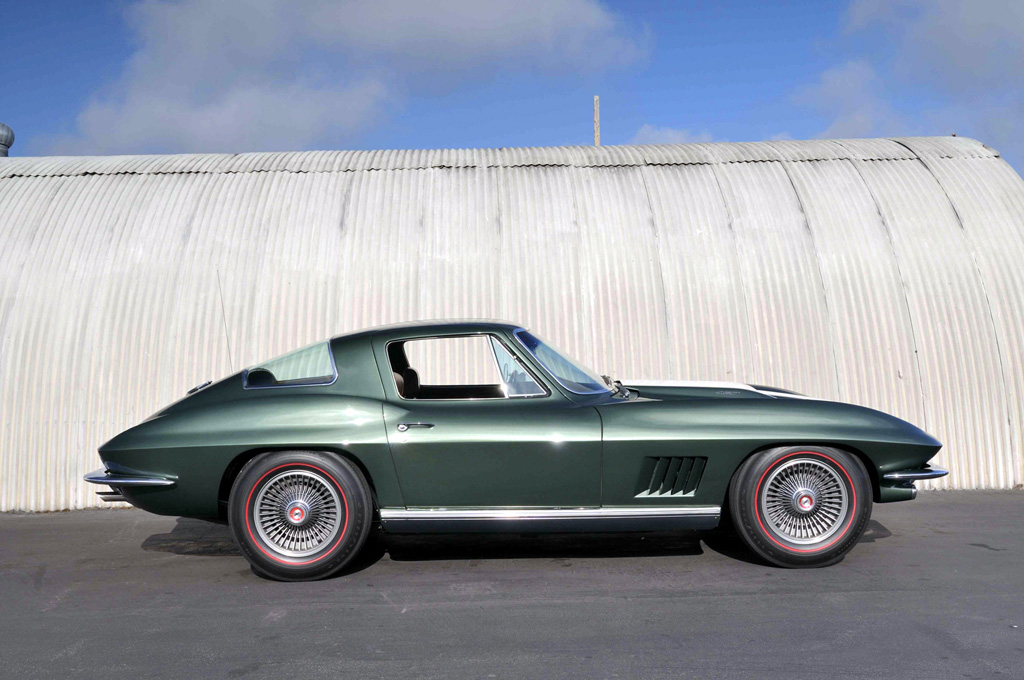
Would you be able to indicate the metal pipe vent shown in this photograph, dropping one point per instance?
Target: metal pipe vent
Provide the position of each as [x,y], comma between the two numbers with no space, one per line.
[6,139]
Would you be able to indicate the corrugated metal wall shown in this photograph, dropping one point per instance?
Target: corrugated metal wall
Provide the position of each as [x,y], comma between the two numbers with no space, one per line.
[882,272]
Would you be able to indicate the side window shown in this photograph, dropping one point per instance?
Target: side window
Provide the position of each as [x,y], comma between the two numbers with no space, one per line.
[311,365]
[453,361]
[464,367]
[516,380]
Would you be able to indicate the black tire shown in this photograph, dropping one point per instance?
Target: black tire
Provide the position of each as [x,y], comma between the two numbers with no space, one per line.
[330,508]
[801,506]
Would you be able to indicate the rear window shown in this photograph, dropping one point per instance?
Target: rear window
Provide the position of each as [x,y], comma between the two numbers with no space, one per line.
[311,365]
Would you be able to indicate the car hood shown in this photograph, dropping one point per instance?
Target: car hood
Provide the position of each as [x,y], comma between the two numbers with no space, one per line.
[687,389]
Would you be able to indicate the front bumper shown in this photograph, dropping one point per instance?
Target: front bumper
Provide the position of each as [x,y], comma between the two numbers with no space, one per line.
[899,484]
[120,478]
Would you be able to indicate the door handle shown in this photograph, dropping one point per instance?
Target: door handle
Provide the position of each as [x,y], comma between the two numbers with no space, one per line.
[402,427]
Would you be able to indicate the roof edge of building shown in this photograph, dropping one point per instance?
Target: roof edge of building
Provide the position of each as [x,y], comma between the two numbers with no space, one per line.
[703,153]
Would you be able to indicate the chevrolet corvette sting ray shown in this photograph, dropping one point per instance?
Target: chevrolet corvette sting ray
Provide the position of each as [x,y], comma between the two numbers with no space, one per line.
[479,426]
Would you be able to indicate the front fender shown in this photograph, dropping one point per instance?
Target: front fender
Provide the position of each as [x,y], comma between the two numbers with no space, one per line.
[726,431]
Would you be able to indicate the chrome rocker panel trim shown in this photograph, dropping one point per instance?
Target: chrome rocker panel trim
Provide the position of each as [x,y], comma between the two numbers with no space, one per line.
[567,520]
[915,475]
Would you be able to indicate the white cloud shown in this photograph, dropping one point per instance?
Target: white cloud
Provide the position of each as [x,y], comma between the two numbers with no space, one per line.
[578,34]
[649,134]
[850,95]
[955,45]
[964,57]
[861,13]
[291,74]
[260,116]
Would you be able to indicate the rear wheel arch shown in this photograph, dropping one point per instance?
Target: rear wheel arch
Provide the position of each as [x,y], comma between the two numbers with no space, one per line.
[238,462]
[300,514]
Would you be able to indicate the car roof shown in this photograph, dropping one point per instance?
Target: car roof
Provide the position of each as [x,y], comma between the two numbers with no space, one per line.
[439,326]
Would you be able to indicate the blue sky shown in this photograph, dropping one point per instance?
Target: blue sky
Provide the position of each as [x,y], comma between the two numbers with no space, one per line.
[141,77]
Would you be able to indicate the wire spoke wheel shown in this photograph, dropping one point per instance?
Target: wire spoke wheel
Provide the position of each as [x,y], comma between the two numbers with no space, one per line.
[297,513]
[804,501]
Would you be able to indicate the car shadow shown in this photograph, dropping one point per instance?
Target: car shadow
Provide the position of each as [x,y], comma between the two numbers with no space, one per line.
[194,537]
[208,539]
[875,531]
[410,548]
[726,542]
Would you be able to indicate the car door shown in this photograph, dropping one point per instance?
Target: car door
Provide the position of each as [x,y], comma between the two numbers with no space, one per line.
[481,430]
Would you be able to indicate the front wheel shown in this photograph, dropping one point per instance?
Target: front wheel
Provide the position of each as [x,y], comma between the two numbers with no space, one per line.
[800,506]
[298,515]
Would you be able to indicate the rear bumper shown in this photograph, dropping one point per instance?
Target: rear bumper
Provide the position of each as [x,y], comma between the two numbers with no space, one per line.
[122,479]
[899,484]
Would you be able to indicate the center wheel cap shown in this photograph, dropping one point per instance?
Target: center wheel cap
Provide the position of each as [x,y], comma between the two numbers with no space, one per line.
[804,501]
[297,512]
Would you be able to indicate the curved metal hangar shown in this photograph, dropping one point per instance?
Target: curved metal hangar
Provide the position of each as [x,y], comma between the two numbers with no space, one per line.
[484,426]
[880,272]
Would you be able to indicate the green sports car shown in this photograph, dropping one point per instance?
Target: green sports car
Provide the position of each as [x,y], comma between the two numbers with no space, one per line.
[480,426]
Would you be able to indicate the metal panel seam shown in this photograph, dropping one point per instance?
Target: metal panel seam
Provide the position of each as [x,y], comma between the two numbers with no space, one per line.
[661,253]
[903,283]
[981,282]
[748,359]
[821,281]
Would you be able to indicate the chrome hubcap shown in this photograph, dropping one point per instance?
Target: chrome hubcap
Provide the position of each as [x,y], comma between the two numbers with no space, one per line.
[804,501]
[297,513]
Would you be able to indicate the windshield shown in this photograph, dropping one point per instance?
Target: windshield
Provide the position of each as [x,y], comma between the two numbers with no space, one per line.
[573,376]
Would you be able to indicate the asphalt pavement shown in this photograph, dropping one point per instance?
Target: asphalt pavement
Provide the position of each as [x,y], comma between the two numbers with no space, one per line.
[934,590]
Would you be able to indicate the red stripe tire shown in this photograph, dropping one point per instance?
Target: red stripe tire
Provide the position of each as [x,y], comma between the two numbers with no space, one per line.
[300,515]
[801,506]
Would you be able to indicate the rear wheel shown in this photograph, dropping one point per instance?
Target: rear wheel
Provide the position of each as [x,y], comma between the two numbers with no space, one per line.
[801,506]
[298,515]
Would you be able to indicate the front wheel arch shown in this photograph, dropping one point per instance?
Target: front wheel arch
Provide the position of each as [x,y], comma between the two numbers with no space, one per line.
[865,460]
[807,542]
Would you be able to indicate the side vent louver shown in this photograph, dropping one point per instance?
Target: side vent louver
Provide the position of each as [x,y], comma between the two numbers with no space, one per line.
[676,476]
